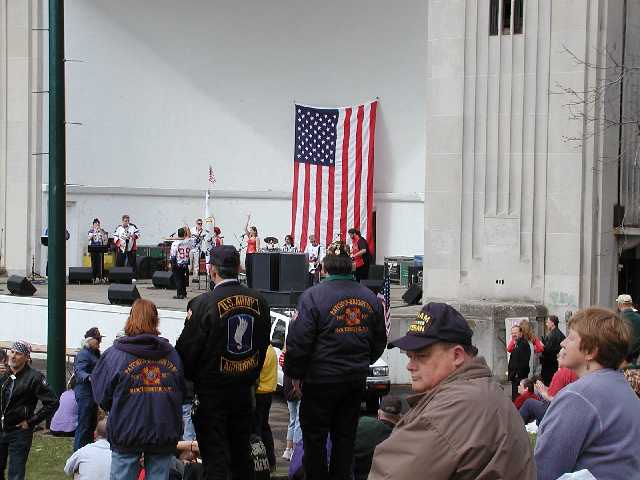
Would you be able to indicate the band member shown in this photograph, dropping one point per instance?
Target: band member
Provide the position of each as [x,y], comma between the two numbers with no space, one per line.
[97,236]
[359,254]
[197,248]
[315,254]
[126,237]
[253,246]
[288,246]
[180,255]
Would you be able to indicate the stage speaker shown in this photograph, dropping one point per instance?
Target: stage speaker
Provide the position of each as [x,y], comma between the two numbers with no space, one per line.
[293,272]
[80,275]
[415,275]
[120,275]
[374,285]
[164,280]
[147,266]
[264,271]
[376,272]
[21,286]
[122,294]
[281,299]
[413,295]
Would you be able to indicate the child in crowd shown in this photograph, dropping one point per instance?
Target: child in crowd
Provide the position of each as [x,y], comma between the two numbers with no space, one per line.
[526,391]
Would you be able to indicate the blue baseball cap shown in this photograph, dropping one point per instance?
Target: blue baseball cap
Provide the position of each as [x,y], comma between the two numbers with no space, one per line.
[225,256]
[436,322]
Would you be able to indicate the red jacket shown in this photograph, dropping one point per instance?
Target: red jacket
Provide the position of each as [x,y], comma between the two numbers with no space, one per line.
[523,397]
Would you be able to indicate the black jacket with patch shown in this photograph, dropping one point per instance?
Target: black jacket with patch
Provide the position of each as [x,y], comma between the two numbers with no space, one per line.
[338,333]
[19,395]
[225,337]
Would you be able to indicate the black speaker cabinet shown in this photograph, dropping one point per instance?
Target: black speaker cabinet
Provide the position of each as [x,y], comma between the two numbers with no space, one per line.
[281,299]
[147,266]
[21,286]
[265,271]
[122,294]
[164,280]
[293,272]
[376,272]
[413,295]
[80,275]
[374,285]
[121,275]
[415,275]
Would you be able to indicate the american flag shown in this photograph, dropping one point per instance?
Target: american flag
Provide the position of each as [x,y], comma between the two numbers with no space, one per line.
[333,173]
[385,298]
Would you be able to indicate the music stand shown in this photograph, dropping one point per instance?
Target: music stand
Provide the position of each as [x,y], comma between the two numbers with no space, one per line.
[101,249]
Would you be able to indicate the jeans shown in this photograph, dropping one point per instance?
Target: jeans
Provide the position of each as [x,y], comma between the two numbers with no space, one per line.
[189,432]
[330,408]
[126,466]
[15,447]
[261,425]
[224,421]
[87,421]
[533,409]
[294,433]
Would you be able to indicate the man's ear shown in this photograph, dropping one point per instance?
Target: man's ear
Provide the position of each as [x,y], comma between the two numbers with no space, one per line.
[459,355]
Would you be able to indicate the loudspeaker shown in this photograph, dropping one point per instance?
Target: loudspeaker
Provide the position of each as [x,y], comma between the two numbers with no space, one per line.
[413,295]
[121,294]
[21,286]
[376,272]
[293,272]
[265,271]
[281,299]
[164,280]
[147,266]
[374,285]
[121,274]
[415,275]
[80,275]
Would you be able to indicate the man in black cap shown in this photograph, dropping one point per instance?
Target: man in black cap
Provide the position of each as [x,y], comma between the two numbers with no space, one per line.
[21,388]
[461,424]
[83,367]
[223,347]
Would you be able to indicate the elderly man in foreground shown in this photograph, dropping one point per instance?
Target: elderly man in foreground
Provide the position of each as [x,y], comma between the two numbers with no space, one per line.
[461,423]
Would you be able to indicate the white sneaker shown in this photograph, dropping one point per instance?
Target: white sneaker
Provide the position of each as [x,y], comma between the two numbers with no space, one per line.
[288,452]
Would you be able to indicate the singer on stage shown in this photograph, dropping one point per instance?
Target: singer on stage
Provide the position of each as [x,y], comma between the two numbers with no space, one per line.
[125,238]
[97,236]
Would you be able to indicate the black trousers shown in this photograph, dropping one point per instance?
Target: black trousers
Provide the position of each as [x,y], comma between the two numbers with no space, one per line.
[261,424]
[329,408]
[223,423]
[248,269]
[130,258]
[362,273]
[549,368]
[181,276]
[97,264]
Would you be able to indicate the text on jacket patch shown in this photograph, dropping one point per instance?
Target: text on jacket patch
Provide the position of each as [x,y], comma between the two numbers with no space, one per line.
[238,302]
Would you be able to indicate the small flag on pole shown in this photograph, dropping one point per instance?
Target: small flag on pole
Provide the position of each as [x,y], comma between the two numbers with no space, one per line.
[385,298]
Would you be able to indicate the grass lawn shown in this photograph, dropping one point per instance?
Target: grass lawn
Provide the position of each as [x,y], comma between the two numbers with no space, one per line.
[48,456]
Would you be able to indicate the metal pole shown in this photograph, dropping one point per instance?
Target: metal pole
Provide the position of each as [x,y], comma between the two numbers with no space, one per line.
[56,368]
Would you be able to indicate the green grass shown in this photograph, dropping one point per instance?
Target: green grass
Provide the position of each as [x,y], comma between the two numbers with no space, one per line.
[48,456]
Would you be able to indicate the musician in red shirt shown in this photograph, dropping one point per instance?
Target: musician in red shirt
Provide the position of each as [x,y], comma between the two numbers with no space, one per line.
[359,254]
[253,246]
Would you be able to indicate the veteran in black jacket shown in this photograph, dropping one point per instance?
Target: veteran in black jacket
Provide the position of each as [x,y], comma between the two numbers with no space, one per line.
[223,346]
[338,333]
[20,389]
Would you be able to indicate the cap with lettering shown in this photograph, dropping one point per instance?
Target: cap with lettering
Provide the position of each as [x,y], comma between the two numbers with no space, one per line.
[225,256]
[624,298]
[436,322]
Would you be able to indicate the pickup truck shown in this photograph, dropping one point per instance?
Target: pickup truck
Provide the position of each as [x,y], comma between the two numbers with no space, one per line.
[378,382]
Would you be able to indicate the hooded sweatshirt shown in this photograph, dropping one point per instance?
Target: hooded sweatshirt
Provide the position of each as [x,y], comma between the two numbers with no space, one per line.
[140,382]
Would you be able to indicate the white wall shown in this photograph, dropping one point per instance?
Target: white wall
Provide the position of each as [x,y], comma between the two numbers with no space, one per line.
[165,89]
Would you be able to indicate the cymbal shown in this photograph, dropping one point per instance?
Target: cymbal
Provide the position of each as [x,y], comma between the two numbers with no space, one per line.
[271,240]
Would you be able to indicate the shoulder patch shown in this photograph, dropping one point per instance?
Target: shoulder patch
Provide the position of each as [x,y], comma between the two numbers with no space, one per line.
[240,333]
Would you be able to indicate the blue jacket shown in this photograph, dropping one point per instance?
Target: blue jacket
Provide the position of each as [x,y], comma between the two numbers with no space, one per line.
[85,363]
[140,382]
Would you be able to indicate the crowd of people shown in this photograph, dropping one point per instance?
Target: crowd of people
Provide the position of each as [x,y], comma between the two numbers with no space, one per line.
[144,408]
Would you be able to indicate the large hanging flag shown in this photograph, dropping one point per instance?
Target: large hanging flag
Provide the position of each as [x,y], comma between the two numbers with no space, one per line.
[333,173]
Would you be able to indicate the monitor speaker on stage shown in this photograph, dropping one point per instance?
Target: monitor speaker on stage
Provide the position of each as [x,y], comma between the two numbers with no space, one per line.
[376,272]
[281,299]
[122,294]
[164,280]
[293,272]
[147,266]
[21,286]
[413,295]
[374,285]
[80,275]
[120,275]
[265,271]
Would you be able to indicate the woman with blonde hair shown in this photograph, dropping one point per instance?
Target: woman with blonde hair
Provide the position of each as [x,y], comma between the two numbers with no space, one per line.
[593,423]
[535,344]
[140,382]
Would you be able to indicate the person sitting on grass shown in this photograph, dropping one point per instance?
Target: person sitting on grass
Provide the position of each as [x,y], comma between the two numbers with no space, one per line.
[93,461]
[526,391]
[65,420]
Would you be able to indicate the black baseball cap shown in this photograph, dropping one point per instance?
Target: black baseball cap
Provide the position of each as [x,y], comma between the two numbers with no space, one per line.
[225,256]
[93,333]
[436,322]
